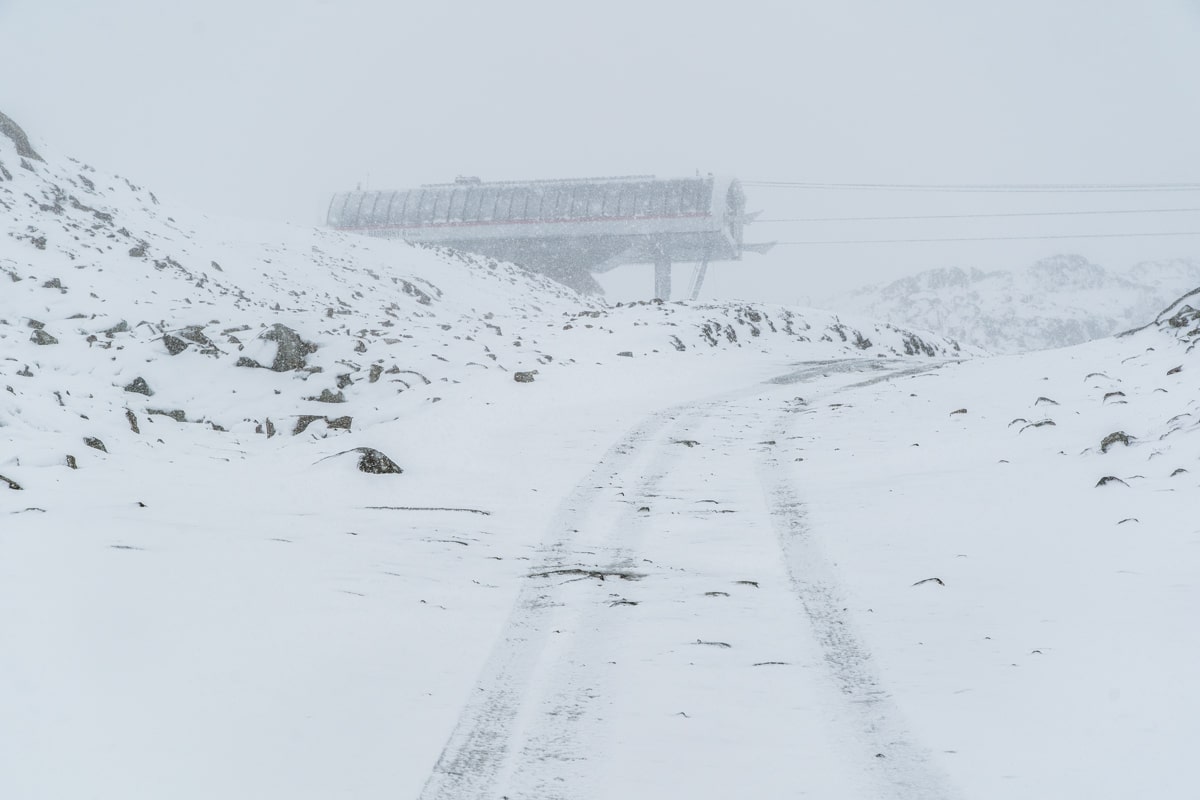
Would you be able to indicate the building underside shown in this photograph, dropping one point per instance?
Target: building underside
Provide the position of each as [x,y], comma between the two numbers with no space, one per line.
[567,230]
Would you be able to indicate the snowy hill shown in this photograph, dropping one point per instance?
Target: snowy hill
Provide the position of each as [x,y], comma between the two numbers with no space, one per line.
[1057,302]
[651,550]
[232,327]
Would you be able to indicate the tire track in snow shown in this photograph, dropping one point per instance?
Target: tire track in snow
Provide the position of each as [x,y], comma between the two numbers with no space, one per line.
[488,743]
[523,727]
[899,766]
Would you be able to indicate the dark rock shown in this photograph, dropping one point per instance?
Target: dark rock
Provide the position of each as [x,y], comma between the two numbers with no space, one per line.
[1110,479]
[174,344]
[1116,437]
[303,421]
[376,371]
[39,336]
[327,396]
[53,283]
[247,362]
[340,423]
[137,252]
[132,418]
[626,353]
[524,377]
[344,380]
[33,323]
[374,462]
[71,462]
[292,349]
[120,327]
[10,483]
[95,444]
[176,414]
[139,386]
[13,131]
[958,411]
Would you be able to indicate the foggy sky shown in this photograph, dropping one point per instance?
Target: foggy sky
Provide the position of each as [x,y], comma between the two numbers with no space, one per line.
[264,107]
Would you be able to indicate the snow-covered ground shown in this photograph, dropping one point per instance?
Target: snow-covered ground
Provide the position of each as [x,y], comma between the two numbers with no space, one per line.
[692,557]
[1058,301]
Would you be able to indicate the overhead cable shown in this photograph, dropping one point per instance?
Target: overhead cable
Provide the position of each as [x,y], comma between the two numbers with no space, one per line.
[983,187]
[991,238]
[985,216]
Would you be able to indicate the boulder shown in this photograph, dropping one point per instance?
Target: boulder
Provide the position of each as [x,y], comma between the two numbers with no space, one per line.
[139,386]
[291,348]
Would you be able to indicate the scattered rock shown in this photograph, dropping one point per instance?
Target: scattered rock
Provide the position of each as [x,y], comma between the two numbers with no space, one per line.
[39,336]
[139,386]
[132,419]
[340,423]
[1109,479]
[95,444]
[176,414]
[303,421]
[174,344]
[328,396]
[524,377]
[374,462]
[1116,437]
[71,462]
[291,348]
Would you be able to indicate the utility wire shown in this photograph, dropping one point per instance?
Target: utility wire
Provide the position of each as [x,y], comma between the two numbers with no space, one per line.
[984,187]
[985,216]
[991,238]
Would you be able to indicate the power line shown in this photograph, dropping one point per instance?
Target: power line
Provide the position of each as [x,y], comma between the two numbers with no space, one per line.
[992,238]
[983,187]
[985,216]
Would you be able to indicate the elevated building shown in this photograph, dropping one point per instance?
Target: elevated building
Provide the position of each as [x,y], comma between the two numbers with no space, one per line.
[566,229]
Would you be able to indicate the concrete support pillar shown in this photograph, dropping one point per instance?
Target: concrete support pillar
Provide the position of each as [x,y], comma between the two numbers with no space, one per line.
[662,278]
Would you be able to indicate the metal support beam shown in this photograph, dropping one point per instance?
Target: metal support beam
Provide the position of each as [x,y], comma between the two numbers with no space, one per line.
[662,278]
[698,278]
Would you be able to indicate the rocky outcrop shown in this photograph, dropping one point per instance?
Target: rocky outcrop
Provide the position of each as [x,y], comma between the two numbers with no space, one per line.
[13,131]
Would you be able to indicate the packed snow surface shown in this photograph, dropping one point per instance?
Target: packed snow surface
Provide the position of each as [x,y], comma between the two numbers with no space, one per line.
[659,550]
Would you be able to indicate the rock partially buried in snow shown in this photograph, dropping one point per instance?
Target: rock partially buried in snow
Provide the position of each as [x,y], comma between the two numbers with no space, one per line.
[292,349]
[10,483]
[372,461]
[139,386]
[524,377]
[39,336]
[174,344]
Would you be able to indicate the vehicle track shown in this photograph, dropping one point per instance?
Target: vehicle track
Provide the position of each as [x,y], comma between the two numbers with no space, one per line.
[537,719]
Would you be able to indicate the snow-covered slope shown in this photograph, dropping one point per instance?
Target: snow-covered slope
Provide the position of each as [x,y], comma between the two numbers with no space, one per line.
[690,557]
[115,312]
[1057,302]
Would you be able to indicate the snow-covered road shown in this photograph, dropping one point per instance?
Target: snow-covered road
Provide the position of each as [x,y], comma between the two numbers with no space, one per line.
[682,633]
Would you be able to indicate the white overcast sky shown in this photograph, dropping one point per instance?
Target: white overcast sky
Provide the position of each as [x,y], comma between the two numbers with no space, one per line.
[264,107]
